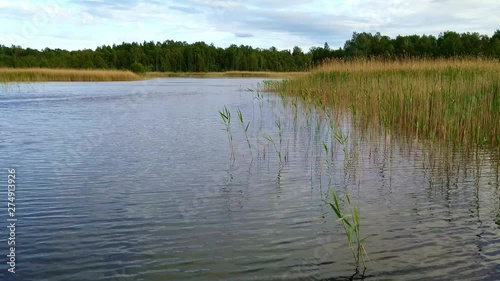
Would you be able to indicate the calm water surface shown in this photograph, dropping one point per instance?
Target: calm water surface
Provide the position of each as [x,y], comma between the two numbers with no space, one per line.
[133,181]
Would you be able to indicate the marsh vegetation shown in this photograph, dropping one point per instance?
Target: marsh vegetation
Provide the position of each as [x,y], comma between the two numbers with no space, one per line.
[64,75]
[456,101]
[226,74]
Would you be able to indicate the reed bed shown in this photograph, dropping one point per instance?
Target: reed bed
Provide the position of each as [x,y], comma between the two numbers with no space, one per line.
[227,74]
[457,101]
[64,75]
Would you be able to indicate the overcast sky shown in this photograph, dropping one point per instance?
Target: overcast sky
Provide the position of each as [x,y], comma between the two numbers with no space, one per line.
[79,24]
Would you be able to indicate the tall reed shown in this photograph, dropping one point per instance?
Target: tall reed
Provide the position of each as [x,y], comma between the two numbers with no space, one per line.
[276,148]
[245,129]
[225,115]
[348,215]
[456,101]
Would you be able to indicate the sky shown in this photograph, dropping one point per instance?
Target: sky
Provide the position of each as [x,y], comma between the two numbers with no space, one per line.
[87,24]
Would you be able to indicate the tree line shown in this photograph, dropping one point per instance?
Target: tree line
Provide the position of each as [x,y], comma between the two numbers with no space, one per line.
[200,57]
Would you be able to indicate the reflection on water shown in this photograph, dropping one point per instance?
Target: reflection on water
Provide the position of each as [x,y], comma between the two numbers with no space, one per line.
[133,181]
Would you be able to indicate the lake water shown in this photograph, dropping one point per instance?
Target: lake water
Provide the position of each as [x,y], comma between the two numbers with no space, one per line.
[135,181]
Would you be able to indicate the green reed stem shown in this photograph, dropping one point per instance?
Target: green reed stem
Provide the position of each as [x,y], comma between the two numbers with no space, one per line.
[245,129]
[225,115]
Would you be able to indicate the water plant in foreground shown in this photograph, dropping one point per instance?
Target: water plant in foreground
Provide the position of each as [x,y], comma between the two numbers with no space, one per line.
[348,215]
[328,164]
[276,148]
[342,139]
[280,134]
[278,151]
[225,115]
[350,221]
[260,98]
[245,129]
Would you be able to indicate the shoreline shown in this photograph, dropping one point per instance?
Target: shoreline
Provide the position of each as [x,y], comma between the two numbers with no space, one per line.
[223,74]
[8,75]
[13,75]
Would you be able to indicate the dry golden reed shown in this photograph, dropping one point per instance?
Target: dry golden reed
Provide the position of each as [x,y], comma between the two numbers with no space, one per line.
[452,100]
[69,75]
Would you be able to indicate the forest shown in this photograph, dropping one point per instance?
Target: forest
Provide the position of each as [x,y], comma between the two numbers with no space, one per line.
[175,56]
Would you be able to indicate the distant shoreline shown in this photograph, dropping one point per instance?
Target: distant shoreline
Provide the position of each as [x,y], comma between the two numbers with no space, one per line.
[64,75]
[225,74]
[81,75]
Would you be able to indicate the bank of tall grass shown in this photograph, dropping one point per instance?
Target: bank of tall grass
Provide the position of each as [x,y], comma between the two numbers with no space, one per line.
[69,75]
[451,100]
[226,74]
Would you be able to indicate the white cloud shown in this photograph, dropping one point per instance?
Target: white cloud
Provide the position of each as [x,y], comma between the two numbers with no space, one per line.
[260,23]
